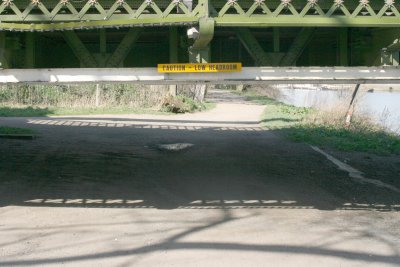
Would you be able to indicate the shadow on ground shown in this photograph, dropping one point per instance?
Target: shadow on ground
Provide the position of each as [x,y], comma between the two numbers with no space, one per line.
[24,112]
[116,165]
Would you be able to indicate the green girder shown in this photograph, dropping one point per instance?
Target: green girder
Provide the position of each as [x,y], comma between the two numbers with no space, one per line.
[123,48]
[297,47]
[65,15]
[81,52]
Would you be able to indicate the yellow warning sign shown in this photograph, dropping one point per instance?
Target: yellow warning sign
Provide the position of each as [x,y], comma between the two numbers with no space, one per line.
[200,67]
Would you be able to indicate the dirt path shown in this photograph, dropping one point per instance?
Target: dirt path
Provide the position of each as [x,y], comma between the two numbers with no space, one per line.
[97,191]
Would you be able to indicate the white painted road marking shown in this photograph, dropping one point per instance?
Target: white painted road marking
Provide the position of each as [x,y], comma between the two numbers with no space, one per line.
[354,173]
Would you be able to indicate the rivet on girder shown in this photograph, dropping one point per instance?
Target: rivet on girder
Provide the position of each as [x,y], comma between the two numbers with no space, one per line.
[364,2]
[35,2]
[259,2]
[148,2]
[232,2]
[177,2]
[64,2]
[313,2]
[286,2]
[389,3]
[7,2]
[120,2]
[338,3]
[92,2]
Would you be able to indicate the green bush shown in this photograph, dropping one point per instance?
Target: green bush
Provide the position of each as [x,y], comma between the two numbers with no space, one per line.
[181,104]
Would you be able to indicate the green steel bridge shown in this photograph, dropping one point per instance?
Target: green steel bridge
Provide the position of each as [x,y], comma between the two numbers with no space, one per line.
[136,33]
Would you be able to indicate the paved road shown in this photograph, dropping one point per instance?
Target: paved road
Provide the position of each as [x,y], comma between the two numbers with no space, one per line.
[97,191]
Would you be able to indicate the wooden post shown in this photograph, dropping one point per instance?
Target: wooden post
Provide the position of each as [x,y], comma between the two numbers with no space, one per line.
[97,95]
[351,107]
[200,92]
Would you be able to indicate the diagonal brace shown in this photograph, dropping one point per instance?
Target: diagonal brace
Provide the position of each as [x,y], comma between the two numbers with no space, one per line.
[253,47]
[80,50]
[297,47]
[124,47]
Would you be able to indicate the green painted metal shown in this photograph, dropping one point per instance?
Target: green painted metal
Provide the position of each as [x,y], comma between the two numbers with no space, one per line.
[173,45]
[206,33]
[276,39]
[103,48]
[3,59]
[80,50]
[277,47]
[199,52]
[253,47]
[395,46]
[124,48]
[343,39]
[297,47]
[199,55]
[67,15]
[390,55]
[30,50]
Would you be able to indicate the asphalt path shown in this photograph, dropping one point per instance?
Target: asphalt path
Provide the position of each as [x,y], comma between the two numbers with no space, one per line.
[101,191]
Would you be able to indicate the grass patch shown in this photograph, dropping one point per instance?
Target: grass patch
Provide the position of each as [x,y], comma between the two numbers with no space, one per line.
[326,128]
[12,130]
[277,115]
[28,111]
[352,139]
[60,111]
[24,111]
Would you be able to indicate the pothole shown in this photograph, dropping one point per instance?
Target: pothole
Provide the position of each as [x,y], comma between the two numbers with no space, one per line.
[174,147]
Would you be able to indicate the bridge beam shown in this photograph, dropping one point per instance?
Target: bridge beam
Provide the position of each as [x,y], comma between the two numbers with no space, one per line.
[30,50]
[124,48]
[343,55]
[3,59]
[253,47]
[173,45]
[80,50]
[297,47]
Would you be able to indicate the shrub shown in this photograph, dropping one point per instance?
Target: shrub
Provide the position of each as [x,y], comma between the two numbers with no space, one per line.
[180,104]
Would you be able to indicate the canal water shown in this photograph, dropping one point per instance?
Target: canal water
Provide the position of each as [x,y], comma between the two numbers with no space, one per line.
[382,106]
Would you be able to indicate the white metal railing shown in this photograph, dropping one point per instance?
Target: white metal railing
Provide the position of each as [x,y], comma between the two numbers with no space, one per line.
[248,75]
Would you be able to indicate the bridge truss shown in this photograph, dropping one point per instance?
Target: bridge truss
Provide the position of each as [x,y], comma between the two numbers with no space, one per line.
[266,32]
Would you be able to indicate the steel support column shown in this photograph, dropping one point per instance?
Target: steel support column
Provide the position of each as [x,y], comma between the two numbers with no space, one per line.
[173,55]
[173,45]
[391,55]
[276,39]
[343,54]
[199,52]
[102,47]
[3,59]
[30,50]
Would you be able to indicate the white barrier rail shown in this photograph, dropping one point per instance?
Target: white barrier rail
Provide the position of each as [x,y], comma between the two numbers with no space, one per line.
[248,75]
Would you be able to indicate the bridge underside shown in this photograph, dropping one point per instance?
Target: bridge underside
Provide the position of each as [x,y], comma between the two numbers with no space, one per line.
[102,33]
